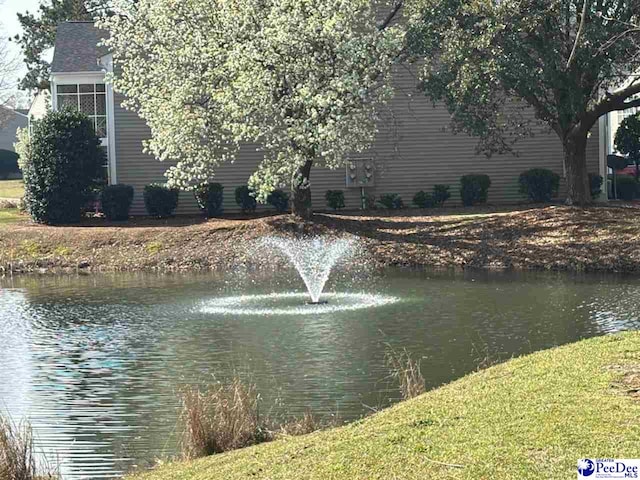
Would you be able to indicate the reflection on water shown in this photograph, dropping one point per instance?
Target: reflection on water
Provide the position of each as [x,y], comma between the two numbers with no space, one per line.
[96,362]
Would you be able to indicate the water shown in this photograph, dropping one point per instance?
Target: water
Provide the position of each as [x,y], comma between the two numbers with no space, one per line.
[96,361]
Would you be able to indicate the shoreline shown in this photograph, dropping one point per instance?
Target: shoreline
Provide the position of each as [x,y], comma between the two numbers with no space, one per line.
[554,238]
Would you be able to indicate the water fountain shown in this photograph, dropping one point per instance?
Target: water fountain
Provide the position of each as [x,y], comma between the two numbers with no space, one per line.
[314,258]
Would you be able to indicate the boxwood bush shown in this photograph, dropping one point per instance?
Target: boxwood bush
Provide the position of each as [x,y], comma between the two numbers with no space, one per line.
[423,199]
[245,199]
[116,201]
[335,199]
[474,189]
[626,186]
[8,164]
[441,194]
[595,184]
[210,197]
[539,184]
[65,160]
[392,201]
[160,200]
[279,200]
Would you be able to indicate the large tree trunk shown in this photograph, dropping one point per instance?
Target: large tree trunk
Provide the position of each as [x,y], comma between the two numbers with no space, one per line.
[301,193]
[575,162]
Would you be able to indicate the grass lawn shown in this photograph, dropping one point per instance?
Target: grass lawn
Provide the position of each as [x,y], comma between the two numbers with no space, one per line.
[532,417]
[10,215]
[11,189]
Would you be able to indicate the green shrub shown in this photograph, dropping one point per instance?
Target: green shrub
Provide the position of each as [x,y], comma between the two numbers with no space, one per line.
[335,199]
[370,202]
[279,200]
[423,199]
[160,200]
[626,186]
[210,197]
[246,200]
[65,159]
[441,194]
[474,189]
[116,201]
[595,184]
[8,164]
[539,184]
[392,201]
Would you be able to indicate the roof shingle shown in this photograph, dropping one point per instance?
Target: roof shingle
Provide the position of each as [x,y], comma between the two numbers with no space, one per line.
[76,48]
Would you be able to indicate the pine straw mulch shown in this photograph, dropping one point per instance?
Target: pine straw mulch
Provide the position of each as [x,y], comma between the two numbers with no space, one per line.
[551,237]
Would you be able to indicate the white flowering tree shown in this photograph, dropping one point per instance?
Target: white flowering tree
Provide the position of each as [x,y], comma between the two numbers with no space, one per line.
[302,78]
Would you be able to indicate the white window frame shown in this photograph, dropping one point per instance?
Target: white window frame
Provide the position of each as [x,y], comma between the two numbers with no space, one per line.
[78,78]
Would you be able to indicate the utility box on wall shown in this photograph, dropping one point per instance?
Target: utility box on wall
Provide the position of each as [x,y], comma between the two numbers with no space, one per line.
[360,173]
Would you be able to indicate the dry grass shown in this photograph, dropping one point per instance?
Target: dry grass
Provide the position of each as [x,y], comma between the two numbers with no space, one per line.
[227,417]
[406,371]
[17,453]
[304,425]
[221,418]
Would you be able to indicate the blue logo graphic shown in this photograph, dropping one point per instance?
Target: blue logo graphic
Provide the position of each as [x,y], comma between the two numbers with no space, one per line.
[586,467]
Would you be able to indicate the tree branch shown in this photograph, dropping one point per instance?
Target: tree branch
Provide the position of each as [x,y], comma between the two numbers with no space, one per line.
[615,101]
[632,104]
[579,34]
[392,14]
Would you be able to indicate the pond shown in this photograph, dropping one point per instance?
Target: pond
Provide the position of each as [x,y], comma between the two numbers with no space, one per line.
[96,362]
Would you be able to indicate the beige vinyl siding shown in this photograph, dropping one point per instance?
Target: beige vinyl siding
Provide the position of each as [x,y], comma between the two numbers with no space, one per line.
[413,152]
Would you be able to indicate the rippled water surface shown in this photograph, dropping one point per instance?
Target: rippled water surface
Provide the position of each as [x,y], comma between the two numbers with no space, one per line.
[96,362]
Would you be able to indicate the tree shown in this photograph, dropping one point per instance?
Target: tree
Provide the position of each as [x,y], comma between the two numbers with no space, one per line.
[568,60]
[301,78]
[627,140]
[60,162]
[8,68]
[39,32]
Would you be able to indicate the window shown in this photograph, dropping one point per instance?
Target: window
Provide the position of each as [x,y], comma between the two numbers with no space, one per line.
[622,114]
[90,99]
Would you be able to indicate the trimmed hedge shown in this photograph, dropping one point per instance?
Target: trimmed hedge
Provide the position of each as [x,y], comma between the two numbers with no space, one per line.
[160,200]
[65,159]
[245,199]
[8,164]
[441,194]
[595,185]
[116,202]
[474,189]
[626,186]
[335,199]
[210,197]
[392,201]
[279,200]
[423,199]
[539,184]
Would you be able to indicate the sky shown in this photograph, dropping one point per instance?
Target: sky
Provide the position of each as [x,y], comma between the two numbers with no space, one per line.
[9,22]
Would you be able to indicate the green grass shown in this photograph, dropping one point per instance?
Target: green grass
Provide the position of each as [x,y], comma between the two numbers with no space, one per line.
[532,417]
[10,215]
[11,189]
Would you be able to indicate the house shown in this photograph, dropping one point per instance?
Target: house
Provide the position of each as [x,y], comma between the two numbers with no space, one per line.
[10,121]
[413,150]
